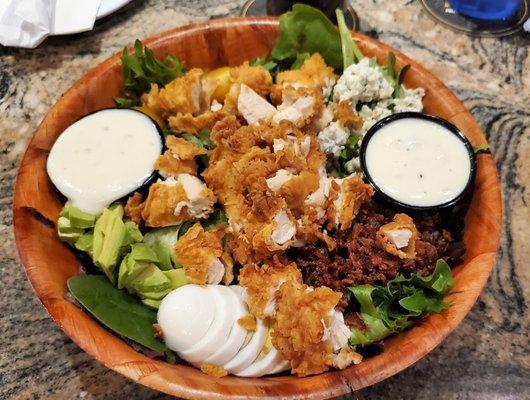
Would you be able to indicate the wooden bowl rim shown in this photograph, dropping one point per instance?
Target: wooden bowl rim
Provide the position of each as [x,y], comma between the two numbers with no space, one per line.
[330,384]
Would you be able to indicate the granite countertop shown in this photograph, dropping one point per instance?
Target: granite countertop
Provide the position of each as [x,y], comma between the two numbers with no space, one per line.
[487,357]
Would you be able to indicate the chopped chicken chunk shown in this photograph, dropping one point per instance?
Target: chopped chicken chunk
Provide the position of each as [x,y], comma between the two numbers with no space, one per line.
[198,252]
[252,106]
[399,237]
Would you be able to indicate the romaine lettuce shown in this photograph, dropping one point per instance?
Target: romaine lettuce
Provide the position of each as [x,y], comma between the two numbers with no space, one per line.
[388,309]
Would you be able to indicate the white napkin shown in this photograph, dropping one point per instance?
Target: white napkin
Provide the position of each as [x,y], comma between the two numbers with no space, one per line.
[74,16]
[26,23]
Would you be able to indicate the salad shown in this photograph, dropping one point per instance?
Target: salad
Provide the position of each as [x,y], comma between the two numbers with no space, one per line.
[228,224]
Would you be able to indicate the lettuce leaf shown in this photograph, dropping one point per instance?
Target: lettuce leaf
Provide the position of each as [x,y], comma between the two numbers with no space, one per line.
[141,69]
[307,30]
[350,52]
[269,65]
[388,309]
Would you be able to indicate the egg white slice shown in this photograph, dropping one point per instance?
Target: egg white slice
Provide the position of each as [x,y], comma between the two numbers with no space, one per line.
[238,290]
[237,335]
[185,315]
[248,354]
[264,366]
[280,367]
[219,330]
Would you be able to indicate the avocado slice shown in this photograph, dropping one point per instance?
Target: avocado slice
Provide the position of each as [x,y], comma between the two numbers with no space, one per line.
[177,277]
[68,233]
[109,237]
[85,242]
[78,218]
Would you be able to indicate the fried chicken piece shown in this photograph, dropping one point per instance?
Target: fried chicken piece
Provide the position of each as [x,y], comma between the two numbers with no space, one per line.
[183,149]
[134,207]
[162,200]
[186,122]
[347,116]
[346,197]
[273,236]
[228,262]
[300,324]
[346,357]
[299,105]
[180,158]
[174,201]
[181,95]
[296,189]
[314,73]
[213,370]
[198,252]
[232,139]
[309,232]
[248,322]
[256,78]
[261,284]
[168,165]
[252,107]
[398,237]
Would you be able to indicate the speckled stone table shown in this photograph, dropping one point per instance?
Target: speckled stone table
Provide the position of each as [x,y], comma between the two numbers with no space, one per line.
[487,357]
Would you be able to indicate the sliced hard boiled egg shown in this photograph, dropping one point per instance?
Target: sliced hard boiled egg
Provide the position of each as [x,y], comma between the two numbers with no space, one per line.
[185,316]
[250,352]
[237,335]
[272,360]
[280,367]
[219,329]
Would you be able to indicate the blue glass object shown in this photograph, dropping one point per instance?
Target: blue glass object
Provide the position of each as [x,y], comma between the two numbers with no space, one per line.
[491,10]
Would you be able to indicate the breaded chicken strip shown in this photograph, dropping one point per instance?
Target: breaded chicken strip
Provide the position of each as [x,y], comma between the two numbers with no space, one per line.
[346,198]
[188,123]
[180,158]
[299,329]
[134,207]
[347,116]
[261,284]
[162,200]
[199,253]
[256,78]
[399,237]
[314,73]
[172,202]
[182,95]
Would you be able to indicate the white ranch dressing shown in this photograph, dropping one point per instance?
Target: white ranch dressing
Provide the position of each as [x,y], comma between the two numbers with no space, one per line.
[104,156]
[418,162]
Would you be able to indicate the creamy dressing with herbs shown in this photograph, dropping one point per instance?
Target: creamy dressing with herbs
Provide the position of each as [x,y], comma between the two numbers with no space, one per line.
[418,162]
[104,156]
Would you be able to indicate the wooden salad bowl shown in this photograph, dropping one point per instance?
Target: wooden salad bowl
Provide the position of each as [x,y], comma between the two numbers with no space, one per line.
[49,263]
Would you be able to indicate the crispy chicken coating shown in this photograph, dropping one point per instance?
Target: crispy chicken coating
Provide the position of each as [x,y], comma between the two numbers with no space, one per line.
[248,322]
[314,73]
[261,284]
[196,251]
[180,158]
[162,200]
[299,327]
[182,95]
[399,237]
[213,370]
[134,207]
[347,116]
[183,149]
[346,198]
[188,123]
[169,165]
[256,78]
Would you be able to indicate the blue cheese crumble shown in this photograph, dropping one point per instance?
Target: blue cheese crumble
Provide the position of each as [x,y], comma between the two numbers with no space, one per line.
[362,83]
